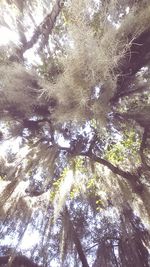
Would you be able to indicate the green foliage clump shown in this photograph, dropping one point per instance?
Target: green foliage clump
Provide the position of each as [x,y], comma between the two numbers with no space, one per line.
[56,184]
[129,145]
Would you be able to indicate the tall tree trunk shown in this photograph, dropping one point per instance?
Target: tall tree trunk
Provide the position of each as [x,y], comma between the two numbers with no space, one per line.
[76,241]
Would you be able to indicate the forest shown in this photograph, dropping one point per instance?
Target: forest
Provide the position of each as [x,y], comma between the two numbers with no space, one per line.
[74,133]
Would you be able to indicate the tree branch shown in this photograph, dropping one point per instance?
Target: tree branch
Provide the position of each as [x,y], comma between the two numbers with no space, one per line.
[46,26]
[140,89]
[137,57]
[140,116]
[133,179]
[142,147]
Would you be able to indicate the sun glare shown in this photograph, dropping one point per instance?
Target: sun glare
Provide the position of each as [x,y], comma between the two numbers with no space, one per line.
[8,36]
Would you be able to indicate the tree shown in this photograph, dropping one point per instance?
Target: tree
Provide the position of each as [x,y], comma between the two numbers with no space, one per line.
[75,120]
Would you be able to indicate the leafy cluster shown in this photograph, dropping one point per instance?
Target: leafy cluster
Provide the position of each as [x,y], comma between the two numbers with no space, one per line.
[74,133]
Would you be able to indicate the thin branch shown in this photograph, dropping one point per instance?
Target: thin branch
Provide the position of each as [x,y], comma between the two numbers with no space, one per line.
[95,245]
[8,191]
[46,25]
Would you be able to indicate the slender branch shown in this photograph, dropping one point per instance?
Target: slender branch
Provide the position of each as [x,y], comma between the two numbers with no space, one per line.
[46,26]
[133,179]
[20,28]
[9,189]
[95,245]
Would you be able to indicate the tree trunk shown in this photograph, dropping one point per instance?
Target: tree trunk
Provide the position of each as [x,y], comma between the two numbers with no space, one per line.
[77,242]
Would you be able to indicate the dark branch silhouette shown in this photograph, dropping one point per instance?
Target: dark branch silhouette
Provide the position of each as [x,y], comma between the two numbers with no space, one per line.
[45,27]
[137,57]
[133,179]
[76,241]
[142,147]
[18,261]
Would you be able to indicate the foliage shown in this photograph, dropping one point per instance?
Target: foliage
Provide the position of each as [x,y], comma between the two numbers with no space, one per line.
[74,137]
[124,150]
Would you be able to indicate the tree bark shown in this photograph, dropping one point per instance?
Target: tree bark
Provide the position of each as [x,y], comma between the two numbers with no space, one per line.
[142,147]
[46,26]
[77,242]
[133,179]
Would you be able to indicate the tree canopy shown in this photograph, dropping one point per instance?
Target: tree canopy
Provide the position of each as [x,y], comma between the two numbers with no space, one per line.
[75,133]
